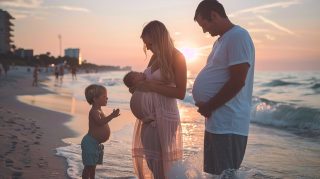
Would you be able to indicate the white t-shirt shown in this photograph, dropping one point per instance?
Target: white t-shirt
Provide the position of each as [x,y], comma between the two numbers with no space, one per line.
[233,47]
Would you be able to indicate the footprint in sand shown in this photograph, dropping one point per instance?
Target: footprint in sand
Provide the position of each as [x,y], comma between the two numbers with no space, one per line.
[26,161]
[26,150]
[16,174]
[16,170]
[42,163]
[17,130]
[26,128]
[9,163]
[13,137]
[13,146]
[39,136]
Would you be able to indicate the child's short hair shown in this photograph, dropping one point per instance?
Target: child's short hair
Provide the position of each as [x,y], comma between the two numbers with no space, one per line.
[93,91]
[127,79]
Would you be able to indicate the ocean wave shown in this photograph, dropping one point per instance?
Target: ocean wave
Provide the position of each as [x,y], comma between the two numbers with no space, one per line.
[111,82]
[188,99]
[275,83]
[313,79]
[106,79]
[289,116]
[316,86]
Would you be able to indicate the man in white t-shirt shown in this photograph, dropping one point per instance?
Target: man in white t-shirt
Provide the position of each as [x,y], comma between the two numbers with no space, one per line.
[223,89]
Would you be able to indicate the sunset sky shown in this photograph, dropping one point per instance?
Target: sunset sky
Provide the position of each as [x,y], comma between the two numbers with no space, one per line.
[286,33]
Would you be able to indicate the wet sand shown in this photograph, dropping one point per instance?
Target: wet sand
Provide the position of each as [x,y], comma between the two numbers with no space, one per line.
[35,121]
[29,134]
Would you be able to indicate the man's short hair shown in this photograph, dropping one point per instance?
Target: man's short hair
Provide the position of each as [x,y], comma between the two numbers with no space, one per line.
[205,8]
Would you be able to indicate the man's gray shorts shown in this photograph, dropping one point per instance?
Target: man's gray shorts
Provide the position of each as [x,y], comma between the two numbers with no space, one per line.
[223,151]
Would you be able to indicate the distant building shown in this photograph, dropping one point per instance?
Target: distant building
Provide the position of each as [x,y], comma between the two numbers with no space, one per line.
[5,31]
[73,53]
[24,53]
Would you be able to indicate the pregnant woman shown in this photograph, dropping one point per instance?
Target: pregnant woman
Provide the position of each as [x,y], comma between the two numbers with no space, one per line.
[156,146]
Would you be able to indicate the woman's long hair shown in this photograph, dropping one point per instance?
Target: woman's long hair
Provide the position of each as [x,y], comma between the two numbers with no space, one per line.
[163,47]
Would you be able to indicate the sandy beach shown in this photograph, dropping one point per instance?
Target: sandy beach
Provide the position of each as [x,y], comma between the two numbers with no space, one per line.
[34,121]
[29,134]
[41,129]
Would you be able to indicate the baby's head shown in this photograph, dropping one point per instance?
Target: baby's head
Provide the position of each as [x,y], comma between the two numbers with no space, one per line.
[132,78]
[94,91]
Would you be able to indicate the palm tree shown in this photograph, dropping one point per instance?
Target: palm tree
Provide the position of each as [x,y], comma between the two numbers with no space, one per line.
[13,47]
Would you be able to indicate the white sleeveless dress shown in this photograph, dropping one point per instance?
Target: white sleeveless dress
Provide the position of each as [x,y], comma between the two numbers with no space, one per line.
[142,106]
[154,149]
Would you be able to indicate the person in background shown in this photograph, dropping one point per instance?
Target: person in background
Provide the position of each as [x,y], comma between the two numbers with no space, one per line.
[35,76]
[74,72]
[56,72]
[61,72]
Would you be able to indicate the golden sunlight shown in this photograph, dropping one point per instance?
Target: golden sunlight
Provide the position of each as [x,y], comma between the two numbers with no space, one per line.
[191,54]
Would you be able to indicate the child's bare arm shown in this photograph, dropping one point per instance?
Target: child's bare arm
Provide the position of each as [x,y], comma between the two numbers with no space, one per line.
[101,119]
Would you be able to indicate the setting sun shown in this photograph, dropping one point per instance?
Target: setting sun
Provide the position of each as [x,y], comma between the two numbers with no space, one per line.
[191,54]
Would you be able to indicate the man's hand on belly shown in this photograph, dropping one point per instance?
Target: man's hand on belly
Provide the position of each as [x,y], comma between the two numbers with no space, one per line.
[204,109]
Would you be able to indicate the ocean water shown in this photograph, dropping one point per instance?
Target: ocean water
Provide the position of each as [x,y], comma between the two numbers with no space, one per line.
[284,138]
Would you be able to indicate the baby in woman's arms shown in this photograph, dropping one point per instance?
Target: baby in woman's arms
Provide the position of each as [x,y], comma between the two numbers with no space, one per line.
[141,102]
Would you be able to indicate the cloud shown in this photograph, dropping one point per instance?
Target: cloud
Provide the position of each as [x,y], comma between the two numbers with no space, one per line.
[21,9]
[277,26]
[70,8]
[270,37]
[253,30]
[256,41]
[28,4]
[177,33]
[18,14]
[31,4]
[265,8]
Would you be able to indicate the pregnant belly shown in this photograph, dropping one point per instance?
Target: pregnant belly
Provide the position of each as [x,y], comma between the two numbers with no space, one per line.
[205,88]
[142,107]
[102,134]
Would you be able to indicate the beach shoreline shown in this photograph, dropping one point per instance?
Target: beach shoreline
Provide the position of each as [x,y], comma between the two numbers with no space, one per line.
[29,134]
[57,114]
[36,121]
